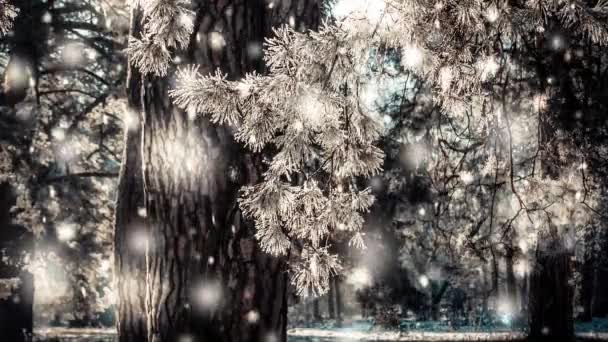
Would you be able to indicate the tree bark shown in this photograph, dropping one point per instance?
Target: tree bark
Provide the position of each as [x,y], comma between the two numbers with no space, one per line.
[206,277]
[550,301]
[330,300]
[129,224]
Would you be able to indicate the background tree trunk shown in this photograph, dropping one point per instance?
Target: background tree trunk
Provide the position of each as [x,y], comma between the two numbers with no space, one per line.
[316,310]
[339,304]
[330,300]
[437,292]
[206,276]
[511,287]
[599,304]
[588,274]
[16,305]
[550,305]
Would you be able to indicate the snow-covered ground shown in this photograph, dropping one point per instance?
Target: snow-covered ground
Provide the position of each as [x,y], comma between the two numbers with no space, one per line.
[595,336]
[321,335]
[344,336]
[75,334]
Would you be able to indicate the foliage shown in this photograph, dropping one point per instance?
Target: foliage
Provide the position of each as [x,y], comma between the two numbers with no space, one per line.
[323,144]
[61,152]
[309,116]
[167,26]
[7,13]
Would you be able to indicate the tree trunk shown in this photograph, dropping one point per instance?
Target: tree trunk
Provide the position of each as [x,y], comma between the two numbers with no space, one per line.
[599,304]
[316,311]
[588,274]
[206,277]
[129,254]
[550,302]
[16,284]
[16,310]
[339,305]
[330,301]
[129,224]
[437,292]
[511,286]
[525,285]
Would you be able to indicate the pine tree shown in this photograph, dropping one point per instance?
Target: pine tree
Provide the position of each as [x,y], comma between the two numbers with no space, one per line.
[323,146]
[206,277]
[481,57]
[496,71]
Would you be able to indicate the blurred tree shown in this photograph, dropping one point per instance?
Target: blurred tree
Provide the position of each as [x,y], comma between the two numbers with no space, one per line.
[59,140]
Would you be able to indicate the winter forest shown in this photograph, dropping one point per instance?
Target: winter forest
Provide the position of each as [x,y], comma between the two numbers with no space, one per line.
[303,170]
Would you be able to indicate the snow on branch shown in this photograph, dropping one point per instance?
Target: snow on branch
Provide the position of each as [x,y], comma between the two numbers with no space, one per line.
[168,25]
[7,14]
[458,45]
[307,110]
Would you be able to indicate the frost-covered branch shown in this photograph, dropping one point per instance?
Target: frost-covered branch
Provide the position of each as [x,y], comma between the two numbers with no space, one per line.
[8,13]
[167,26]
[307,109]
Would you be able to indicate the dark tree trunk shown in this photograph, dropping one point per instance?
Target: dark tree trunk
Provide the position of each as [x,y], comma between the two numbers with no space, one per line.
[206,277]
[339,304]
[495,272]
[511,285]
[588,274]
[129,225]
[485,280]
[437,292]
[129,255]
[525,290]
[316,310]
[330,301]
[550,301]
[206,274]
[599,304]
[16,302]
[16,310]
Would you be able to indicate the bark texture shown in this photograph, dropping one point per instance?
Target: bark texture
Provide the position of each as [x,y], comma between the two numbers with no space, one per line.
[129,224]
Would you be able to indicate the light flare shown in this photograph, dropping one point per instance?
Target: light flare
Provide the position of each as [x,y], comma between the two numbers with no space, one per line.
[360,278]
